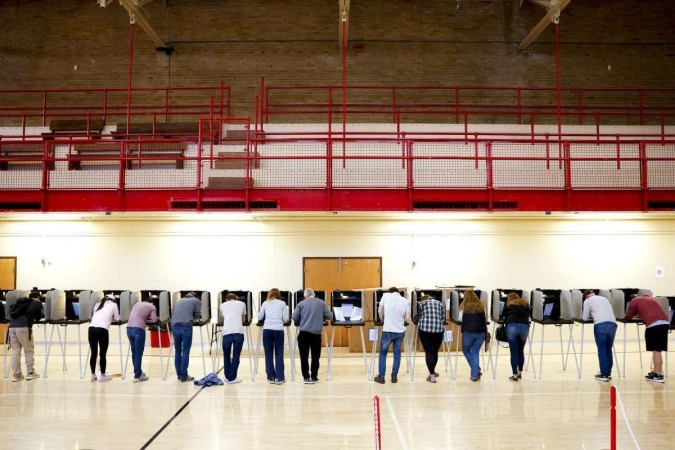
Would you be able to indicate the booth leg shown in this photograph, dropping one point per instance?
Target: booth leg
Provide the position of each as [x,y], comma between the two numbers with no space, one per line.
[448,361]
[616,357]
[456,349]
[574,349]
[257,350]
[581,351]
[48,349]
[491,365]
[126,362]
[161,354]
[86,360]
[79,350]
[363,349]
[371,374]
[168,357]
[541,354]
[290,352]
[624,349]
[46,352]
[330,352]
[119,338]
[329,355]
[413,362]
[201,342]
[562,350]
[529,356]
[62,344]
[637,329]
[249,345]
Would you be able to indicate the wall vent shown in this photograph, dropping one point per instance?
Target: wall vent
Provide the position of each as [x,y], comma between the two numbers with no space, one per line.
[20,206]
[468,205]
[661,204]
[223,205]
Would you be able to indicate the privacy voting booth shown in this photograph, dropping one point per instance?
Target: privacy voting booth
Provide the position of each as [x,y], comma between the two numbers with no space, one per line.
[409,343]
[577,316]
[245,297]
[620,299]
[552,307]
[125,301]
[287,298]
[63,308]
[205,299]
[443,296]
[347,309]
[497,304]
[299,296]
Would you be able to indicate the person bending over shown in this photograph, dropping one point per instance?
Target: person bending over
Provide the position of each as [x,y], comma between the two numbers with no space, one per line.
[310,315]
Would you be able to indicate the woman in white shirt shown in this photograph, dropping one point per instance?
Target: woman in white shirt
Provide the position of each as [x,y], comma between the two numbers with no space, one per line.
[275,313]
[105,312]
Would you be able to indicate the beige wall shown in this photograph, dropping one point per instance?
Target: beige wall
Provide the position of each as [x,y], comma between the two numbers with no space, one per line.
[258,252]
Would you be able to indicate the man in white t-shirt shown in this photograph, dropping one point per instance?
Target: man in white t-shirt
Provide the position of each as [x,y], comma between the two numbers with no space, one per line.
[604,330]
[232,315]
[395,311]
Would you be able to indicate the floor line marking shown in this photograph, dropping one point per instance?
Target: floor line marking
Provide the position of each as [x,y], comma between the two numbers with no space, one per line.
[399,431]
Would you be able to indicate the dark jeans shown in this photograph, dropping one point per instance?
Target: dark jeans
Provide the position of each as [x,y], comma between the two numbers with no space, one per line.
[306,342]
[389,338]
[137,341]
[516,333]
[471,344]
[98,338]
[431,342]
[604,338]
[273,343]
[232,345]
[182,341]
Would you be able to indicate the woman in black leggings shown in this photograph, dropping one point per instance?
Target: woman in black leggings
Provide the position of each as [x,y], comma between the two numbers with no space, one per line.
[431,329]
[105,312]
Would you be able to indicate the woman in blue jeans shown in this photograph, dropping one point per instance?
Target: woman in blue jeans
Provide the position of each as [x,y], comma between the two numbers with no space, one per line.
[275,313]
[474,329]
[517,317]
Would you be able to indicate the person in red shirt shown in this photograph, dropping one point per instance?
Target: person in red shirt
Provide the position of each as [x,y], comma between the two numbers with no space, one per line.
[656,334]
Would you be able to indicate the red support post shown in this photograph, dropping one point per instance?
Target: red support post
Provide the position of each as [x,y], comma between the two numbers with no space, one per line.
[344,88]
[612,418]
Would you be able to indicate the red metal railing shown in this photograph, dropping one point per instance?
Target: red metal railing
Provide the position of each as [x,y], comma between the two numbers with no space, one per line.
[522,104]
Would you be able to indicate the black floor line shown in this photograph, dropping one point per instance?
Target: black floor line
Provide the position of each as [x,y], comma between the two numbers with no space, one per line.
[171,419]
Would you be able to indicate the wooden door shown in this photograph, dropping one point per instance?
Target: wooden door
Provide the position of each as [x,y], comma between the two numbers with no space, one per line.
[7,272]
[329,274]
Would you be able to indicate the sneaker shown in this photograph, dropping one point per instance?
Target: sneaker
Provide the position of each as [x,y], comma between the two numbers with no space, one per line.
[104,377]
[279,381]
[235,381]
[315,380]
[32,376]
[308,381]
[142,378]
[601,377]
[514,378]
[271,382]
[475,379]
[379,379]
[187,379]
[93,377]
[394,379]
[16,378]
[655,378]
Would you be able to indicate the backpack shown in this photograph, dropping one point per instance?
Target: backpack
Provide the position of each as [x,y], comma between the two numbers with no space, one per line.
[20,308]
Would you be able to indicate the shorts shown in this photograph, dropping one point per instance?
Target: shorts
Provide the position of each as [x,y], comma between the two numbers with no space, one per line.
[657,338]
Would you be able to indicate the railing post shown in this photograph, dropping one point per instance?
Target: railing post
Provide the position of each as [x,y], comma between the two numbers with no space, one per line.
[519,91]
[568,173]
[489,168]
[618,153]
[644,176]
[410,181]
[44,108]
[456,104]
[329,172]
[580,95]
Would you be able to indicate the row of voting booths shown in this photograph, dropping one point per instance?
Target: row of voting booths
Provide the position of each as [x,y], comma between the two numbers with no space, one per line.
[353,309]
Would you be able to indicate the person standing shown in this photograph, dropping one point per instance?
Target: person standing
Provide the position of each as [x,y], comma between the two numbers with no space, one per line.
[656,333]
[474,329]
[141,313]
[395,312]
[232,316]
[431,330]
[516,315]
[310,314]
[185,312]
[604,330]
[22,315]
[275,313]
[105,313]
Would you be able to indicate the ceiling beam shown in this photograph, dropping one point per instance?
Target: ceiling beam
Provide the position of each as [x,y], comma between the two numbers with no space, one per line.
[550,16]
[137,15]
[343,17]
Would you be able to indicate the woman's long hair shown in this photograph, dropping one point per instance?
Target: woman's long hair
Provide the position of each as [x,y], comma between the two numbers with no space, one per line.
[104,300]
[273,294]
[472,303]
[515,300]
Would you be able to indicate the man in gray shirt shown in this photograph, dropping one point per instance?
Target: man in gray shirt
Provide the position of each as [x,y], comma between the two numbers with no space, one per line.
[185,312]
[310,315]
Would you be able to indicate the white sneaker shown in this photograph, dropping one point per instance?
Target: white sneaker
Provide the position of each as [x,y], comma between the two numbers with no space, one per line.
[32,376]
[142,378]
[235,381]
[16,378]
[104,377]
[93,377]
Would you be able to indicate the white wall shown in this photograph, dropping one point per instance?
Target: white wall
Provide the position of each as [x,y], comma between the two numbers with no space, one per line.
[257,253]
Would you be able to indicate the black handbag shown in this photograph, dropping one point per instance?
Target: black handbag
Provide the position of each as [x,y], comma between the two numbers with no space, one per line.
[501,333]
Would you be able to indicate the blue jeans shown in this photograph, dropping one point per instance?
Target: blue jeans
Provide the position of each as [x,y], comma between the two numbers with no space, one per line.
[389,338]
[182,340]
[137,342]
[273,343]
[232,344]
[516,334]
[471,344]
[604,338]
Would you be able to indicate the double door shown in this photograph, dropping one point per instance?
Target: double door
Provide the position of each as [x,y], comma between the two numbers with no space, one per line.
[345,274]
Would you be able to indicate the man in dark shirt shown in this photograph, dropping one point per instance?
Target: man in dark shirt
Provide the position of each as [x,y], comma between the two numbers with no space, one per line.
[187,310]
[20,334]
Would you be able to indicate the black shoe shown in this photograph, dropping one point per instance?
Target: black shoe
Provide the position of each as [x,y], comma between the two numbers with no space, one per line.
[379,379]
[601,377]
[187,379]
[394,379]
[308,381]
[655,378]
[315,380]
[514,377]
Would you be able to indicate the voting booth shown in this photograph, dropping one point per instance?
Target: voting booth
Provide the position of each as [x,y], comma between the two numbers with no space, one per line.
[245,297]
[159,332]
[620,299]
[347,309]
[456,300]
[299,296]
[497,304]
[577,316]
[443,296]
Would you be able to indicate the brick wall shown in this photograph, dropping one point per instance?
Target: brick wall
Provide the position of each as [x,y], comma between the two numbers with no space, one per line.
[296,41]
